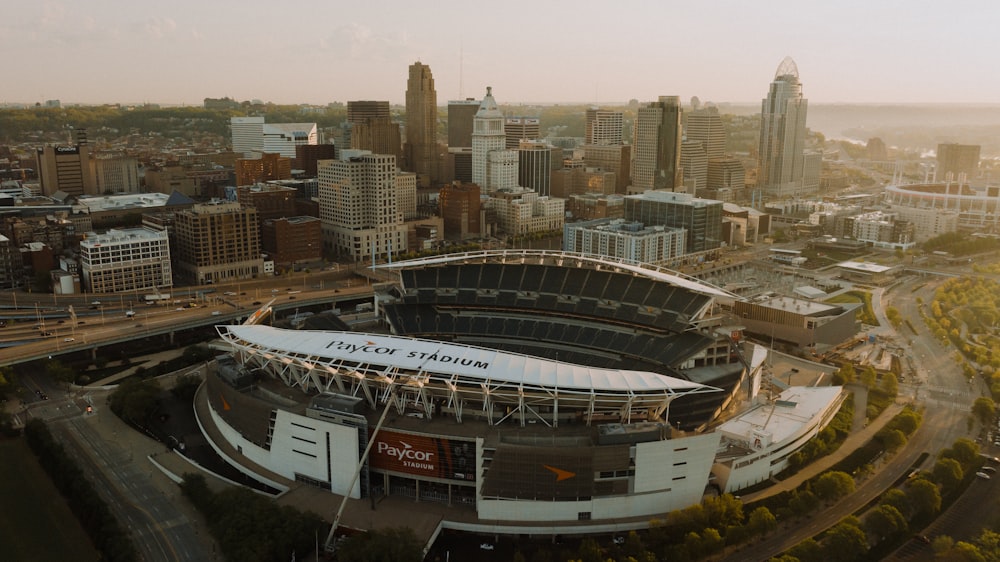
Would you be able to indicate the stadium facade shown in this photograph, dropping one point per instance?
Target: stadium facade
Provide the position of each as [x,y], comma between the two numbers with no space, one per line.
[535,392]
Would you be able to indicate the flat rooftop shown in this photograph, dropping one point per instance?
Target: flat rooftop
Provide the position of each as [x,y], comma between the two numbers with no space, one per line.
[783,417]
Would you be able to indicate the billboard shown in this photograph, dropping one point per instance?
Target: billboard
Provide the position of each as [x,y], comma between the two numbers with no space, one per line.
[423,455]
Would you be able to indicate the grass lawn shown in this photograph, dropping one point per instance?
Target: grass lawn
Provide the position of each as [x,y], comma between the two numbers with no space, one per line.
[35,523]
[866,314]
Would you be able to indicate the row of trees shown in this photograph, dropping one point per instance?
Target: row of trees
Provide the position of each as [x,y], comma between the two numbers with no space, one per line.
[960,244]
[250,527]
[108,536]
[965,312]
[889,521]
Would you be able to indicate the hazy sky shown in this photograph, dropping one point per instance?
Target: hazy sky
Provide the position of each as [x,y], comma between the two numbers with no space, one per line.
[318,51]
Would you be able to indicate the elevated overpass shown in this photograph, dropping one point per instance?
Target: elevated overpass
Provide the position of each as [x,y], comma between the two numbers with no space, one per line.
[92,337]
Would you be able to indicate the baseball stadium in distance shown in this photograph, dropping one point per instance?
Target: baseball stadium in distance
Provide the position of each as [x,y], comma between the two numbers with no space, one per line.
[533,392]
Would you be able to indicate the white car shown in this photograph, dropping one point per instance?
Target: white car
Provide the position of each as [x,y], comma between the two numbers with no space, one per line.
[67,340]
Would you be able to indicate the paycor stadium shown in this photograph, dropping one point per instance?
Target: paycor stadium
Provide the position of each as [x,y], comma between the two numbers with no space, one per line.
[532,392]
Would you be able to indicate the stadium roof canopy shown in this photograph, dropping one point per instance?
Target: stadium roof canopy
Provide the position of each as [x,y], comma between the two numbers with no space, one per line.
[354,363]
[560,258]
[470,362]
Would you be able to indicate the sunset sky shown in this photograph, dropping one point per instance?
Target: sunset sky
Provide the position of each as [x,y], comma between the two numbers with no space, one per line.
[320,51]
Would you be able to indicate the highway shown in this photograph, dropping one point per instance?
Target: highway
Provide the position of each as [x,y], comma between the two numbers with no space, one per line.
[110,324]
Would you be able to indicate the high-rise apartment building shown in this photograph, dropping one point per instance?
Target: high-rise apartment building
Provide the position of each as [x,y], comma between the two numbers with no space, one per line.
[493,166]
[66,169]
[129,259]
[958,160]
[534,166]
[218,241]
[782,171]
[701,218]
[518,129]
[656,152]
[358,206]
[421,149]
[620,239]
[604,127]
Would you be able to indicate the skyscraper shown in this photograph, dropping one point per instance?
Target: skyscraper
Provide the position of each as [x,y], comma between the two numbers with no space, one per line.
[534,166]
[218,241]
[705,126]
[604,127]
[493,166]
[518,129]
[66,169]
[461,114]
[359,206]
[656,156]
[782,170]
[359,111]
[421,124]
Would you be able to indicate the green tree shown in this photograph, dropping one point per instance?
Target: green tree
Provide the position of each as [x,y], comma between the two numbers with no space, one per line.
[892,439]
[58,371]
[590,551]
[845,542]
[885,521]
[846,374]
[948,474]
[924,496]
[803,502]
[833,485]
[723,511]
[711,541]
[890,384]
[761,521]
[984,409]
[906,421]
[382,545]
[869,376]
[6,378]
[897,498]
[808,551]
[962,450]
[135,401]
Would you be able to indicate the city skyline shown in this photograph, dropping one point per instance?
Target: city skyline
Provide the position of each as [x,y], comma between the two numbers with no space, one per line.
[720,51]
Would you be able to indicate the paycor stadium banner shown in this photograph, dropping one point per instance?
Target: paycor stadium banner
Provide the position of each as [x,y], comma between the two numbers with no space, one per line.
[422,455]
